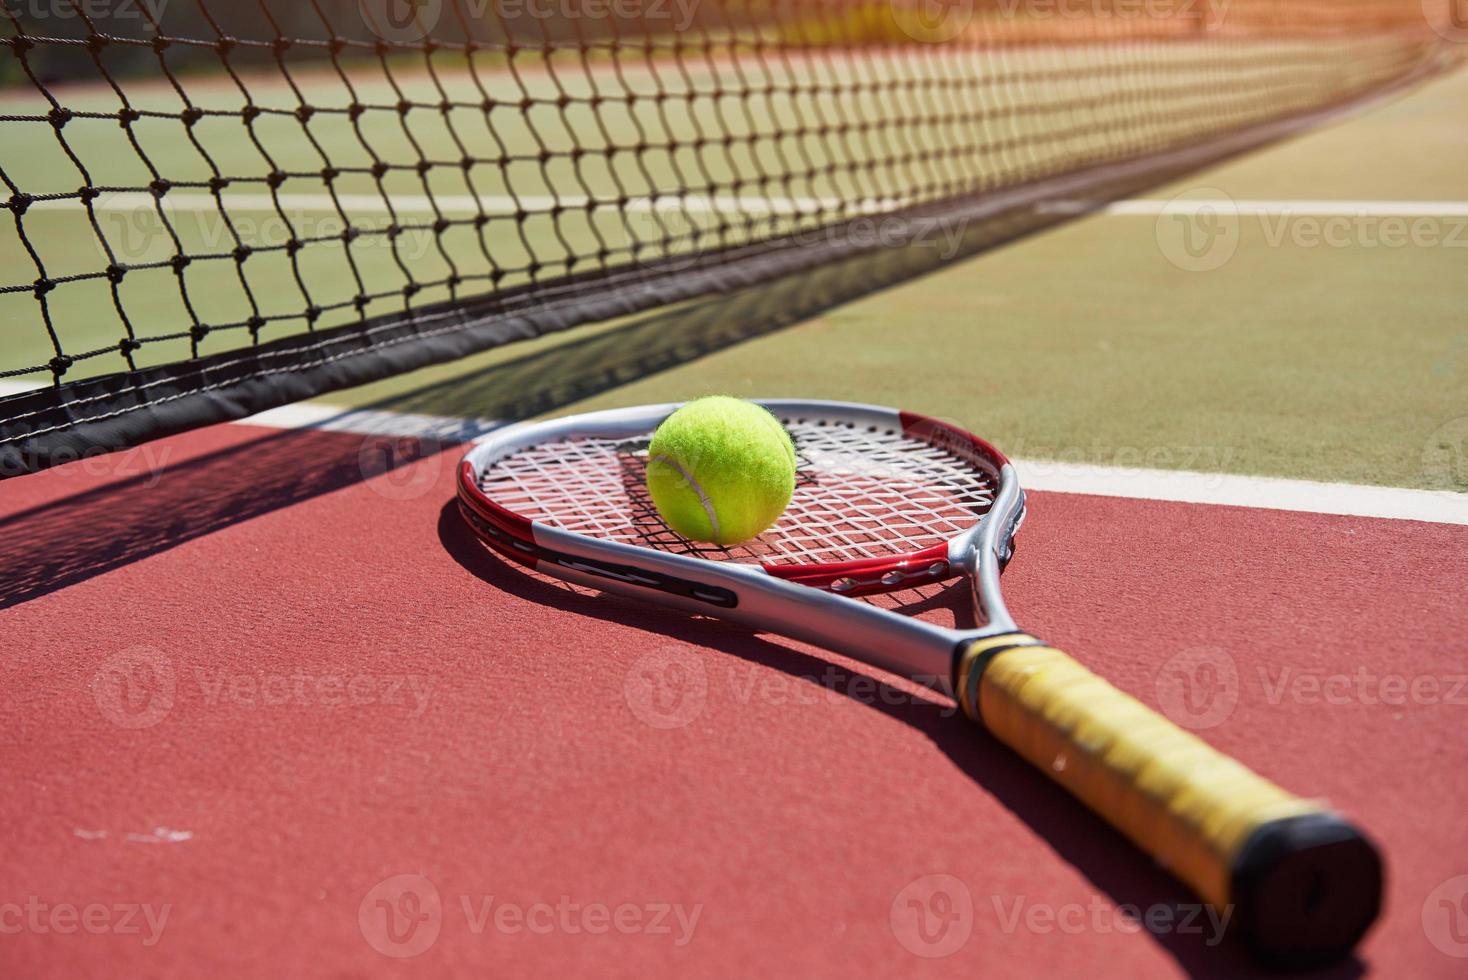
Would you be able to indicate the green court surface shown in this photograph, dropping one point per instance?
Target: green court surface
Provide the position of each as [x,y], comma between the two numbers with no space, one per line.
[1296,357]
[555,169]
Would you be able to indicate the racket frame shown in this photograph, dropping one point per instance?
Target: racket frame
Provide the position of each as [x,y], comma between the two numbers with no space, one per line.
[814,601]
[1306,884]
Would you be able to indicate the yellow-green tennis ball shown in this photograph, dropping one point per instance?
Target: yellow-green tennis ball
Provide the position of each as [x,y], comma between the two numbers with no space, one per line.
[721,470]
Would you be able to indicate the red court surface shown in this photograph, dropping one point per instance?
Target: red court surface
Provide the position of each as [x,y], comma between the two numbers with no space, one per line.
[266,718]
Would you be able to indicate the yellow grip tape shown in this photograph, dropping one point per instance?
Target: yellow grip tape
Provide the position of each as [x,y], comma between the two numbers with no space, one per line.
[1188,805]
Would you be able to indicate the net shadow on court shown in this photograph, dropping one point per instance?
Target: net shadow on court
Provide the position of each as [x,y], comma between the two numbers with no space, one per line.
[92,532]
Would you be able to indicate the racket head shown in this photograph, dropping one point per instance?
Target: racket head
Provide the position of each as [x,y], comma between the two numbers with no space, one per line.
[884,501]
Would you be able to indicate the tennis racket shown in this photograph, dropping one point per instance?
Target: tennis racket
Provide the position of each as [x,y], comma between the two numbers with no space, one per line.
[887,501]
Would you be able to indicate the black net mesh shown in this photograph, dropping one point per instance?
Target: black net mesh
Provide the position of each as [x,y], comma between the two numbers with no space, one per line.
[280,197]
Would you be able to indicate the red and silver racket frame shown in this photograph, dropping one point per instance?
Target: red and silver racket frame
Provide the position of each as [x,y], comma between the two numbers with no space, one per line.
[812,602]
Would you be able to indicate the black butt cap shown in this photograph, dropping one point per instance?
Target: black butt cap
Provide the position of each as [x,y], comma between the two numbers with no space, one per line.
[1305,890]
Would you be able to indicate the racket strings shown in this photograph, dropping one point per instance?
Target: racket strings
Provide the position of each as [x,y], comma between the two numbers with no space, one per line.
[861,493]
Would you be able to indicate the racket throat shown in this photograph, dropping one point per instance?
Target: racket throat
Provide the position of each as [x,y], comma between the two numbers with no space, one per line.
[972,657]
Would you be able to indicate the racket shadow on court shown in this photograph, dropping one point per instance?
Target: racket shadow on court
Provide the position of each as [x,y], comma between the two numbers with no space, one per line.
[1082,839]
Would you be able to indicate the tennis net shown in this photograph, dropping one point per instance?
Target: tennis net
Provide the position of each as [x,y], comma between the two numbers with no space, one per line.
[219,207]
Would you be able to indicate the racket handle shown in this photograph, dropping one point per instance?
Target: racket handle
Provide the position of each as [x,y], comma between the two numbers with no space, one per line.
[1300,884]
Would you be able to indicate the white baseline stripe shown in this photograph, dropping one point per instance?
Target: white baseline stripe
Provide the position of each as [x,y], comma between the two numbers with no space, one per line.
[325,418]
[1181,486]
[1304,496]
[8,388]
[1272,209]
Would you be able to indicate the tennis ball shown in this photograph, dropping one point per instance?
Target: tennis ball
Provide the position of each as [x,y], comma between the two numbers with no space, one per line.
[721,470]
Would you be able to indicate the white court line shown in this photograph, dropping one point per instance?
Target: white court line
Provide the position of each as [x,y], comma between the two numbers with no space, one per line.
[326,418]
[1179,486]
[498,204]
[1269,209]
[1304,496]
[8,388]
